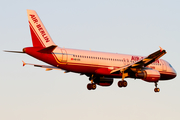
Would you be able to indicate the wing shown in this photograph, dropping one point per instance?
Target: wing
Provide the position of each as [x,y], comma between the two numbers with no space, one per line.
[142,62]
[42,66]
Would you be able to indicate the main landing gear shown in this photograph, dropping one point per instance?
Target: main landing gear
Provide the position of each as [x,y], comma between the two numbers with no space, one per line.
[156,89]
[122,83]
[92,85]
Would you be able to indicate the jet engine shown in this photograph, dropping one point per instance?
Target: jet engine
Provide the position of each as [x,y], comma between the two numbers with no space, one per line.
[103,81]
[149,75]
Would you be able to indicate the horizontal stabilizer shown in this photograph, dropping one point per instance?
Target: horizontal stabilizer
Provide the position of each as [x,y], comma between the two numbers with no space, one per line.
[48,67]
[13,51]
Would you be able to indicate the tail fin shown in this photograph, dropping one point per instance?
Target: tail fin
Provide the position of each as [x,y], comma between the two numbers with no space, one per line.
[39,34]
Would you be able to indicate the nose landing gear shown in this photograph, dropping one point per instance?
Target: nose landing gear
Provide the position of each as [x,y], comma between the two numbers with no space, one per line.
[156,89]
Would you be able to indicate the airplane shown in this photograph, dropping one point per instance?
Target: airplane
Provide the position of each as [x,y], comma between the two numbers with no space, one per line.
[100,67]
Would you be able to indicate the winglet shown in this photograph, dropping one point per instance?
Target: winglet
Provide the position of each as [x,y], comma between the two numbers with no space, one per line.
[160,49]
[24,63]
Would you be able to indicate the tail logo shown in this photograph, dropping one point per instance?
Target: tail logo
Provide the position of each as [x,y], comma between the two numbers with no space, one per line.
[34,19]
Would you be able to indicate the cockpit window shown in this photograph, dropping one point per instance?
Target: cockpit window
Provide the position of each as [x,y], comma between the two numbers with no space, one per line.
[170,65]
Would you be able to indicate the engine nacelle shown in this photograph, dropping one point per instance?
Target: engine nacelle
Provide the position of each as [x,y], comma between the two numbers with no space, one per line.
[149,75]
[102,81]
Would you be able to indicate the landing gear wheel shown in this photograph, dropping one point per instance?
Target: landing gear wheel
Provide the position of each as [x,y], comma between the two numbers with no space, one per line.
[156,89]
[122,83]
[91,86]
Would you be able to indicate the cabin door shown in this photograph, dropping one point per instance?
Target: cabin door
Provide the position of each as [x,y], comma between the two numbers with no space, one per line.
[64,55]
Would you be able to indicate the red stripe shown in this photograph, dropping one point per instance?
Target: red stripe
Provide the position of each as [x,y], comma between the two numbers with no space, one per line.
[101,66]
[170,73]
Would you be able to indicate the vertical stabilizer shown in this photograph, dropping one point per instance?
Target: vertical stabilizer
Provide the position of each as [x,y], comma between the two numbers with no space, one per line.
[39,34]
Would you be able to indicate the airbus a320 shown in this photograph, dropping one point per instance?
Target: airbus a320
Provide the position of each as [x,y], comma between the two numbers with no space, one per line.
[100,67]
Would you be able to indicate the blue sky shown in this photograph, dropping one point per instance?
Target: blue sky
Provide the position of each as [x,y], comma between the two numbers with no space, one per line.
[133,27]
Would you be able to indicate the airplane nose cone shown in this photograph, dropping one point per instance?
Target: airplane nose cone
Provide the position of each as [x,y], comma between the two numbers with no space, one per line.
[175,74]
[169,75]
